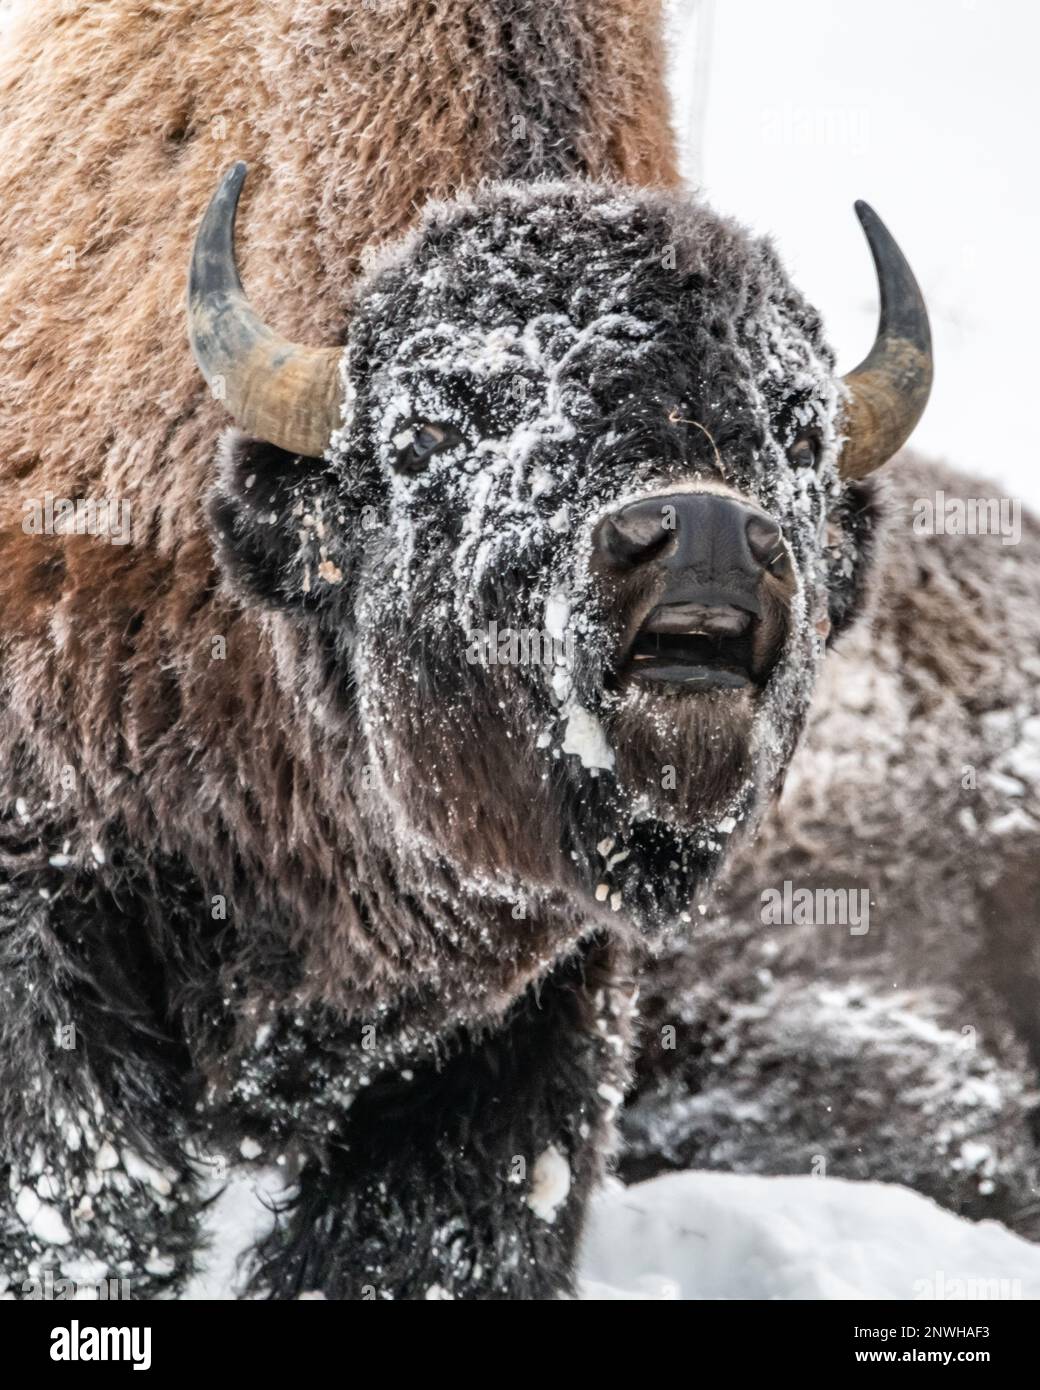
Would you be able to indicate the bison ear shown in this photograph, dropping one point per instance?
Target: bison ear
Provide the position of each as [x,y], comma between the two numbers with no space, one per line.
[268,513]
[853,533]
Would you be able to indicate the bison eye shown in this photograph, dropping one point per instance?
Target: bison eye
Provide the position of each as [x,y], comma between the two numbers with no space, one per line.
[417,444]
[805,450]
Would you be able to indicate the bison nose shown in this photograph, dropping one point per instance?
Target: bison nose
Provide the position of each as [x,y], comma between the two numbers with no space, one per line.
[709,549]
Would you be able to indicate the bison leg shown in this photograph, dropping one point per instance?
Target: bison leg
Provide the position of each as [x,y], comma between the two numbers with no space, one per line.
[96,1190]
[467,1177]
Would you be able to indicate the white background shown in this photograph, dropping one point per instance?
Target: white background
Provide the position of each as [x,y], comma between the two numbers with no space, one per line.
[929,110]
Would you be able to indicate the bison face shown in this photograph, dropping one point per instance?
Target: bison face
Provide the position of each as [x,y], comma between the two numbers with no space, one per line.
[579,537]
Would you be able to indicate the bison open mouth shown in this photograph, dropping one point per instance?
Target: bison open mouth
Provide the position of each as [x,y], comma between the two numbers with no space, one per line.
[693,647]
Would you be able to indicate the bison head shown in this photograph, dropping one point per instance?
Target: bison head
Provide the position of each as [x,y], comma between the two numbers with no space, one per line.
[575,509]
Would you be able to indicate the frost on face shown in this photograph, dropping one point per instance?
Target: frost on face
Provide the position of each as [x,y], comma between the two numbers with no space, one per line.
[550,1184]
[555,349]
[584,738]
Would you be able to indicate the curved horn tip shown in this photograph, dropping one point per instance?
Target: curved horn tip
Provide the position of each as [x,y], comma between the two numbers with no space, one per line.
[865,212]
[874,228]
[903,310]
[213,267]
[223,205]
[235,177]
[276,390]
[890,387]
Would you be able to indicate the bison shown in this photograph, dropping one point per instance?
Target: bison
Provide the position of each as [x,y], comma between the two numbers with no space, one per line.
[306,861]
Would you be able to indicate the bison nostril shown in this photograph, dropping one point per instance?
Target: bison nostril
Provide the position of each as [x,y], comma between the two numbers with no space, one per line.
[631,536]
[766,542]
[706,539]
[764,535]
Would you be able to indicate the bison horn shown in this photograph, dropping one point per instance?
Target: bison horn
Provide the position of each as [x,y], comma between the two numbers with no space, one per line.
[889,389]
[276,391]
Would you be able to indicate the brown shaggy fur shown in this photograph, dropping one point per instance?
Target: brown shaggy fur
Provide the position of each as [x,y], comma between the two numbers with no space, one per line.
[116,121]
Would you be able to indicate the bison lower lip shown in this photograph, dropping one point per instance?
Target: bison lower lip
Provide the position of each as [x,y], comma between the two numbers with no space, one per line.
[692,661]
[692,677]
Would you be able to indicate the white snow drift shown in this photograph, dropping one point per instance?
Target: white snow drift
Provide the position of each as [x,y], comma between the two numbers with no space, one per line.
[722,1236]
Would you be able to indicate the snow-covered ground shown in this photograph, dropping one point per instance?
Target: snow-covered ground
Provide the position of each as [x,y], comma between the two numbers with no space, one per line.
[720,1236]
[716,1235]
